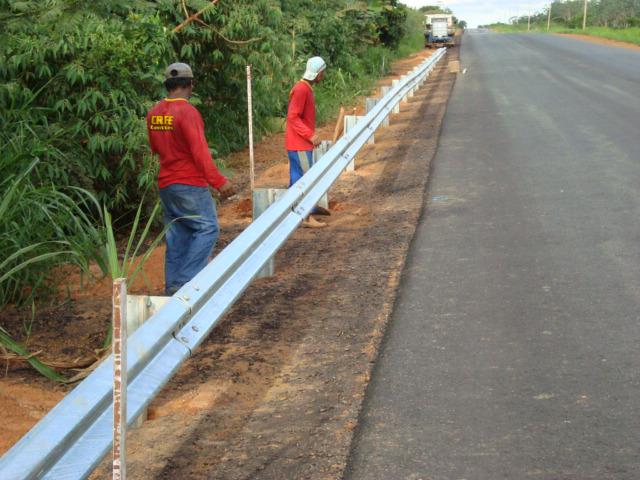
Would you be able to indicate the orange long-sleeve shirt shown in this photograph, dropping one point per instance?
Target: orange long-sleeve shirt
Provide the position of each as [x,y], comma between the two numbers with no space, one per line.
[176,134]
[301,117]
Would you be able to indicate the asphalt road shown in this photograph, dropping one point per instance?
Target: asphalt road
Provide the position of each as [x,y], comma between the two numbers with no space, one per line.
[513,351]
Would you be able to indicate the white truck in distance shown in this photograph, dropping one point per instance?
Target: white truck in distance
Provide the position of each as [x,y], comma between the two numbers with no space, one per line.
[439,30]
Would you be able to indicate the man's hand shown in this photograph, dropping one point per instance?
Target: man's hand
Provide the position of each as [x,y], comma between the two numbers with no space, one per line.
[316,140]
[226,190]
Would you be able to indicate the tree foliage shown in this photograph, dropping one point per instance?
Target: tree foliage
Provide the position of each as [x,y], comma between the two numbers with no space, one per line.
[79,80]
[81,74]
[78,76]
[434,9]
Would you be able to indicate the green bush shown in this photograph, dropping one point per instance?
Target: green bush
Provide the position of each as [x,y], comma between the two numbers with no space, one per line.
[81,74]
[82,88]
[77,78]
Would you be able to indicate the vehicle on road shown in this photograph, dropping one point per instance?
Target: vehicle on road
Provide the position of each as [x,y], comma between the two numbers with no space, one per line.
[439,30]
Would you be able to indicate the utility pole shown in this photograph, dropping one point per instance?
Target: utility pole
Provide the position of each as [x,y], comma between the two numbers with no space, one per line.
[584,18]
[549,17]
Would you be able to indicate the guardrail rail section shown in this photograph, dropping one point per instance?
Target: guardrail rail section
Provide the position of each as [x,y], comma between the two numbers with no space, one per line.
[73,438]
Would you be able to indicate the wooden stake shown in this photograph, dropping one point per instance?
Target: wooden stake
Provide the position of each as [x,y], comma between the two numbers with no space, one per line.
[339,125]
[119,318]
[252,170]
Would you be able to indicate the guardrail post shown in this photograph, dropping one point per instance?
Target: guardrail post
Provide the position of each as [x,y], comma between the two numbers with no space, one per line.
[370,103]
[350,122]
[405,98]
[413,89]
[396,108]
[383,91]
[425,76]
[318,152]
[263,198]
[420,81]
[119,319]
[139,309]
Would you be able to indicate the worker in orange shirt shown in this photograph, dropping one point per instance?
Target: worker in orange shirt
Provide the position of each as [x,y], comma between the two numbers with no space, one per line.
[176,135]
[300,132]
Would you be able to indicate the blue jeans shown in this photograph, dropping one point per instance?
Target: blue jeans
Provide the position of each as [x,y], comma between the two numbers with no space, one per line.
[190,241]
[299,163]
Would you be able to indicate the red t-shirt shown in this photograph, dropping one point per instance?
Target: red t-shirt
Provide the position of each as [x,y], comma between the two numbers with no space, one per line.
[176,134]
[301,117]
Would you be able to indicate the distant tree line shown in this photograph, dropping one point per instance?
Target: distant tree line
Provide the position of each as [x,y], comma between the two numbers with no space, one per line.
[601,13]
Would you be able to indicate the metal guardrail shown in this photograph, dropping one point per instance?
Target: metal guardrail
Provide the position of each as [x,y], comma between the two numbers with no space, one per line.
[72,439]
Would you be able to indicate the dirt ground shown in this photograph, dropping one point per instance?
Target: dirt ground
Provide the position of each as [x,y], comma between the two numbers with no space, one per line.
[601,41]
[276,390]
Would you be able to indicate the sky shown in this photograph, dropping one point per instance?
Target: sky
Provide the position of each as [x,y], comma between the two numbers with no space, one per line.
[483,12]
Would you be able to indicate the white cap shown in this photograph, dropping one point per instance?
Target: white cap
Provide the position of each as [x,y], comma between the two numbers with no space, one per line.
[178,70]
[315,65]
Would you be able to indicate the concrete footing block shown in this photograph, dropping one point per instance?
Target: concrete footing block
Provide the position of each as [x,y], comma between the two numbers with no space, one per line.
[263,198]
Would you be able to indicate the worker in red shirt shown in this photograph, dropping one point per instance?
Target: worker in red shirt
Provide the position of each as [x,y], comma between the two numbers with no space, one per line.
[300,132]
[176,135]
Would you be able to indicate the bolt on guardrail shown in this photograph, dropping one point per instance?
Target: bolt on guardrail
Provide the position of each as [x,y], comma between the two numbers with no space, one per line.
[71,440]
